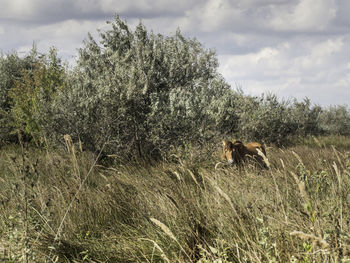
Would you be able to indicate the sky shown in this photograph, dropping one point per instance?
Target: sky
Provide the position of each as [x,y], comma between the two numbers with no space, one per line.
[291,48]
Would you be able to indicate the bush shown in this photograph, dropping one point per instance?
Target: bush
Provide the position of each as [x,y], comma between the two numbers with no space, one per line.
[139,92]
[33,93]
[11,67]
[265,119]
[335,120]
[26,92]
[307,118]
[136,93]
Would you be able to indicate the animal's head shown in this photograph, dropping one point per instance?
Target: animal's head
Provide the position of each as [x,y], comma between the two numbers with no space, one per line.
[231,150]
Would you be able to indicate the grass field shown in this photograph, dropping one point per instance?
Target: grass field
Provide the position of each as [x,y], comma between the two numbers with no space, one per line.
[62,206]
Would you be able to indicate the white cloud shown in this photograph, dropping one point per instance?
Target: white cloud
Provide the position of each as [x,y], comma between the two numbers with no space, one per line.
[216,15]
[267,62]
[303,67]
[67,36]
[307,15]
[52,11]
[320,55]
[148,6]
[16,8]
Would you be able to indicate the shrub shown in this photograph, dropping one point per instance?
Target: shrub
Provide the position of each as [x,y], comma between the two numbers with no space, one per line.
[306,117]
[139,91]
[335,120]
[11,67]
[266,119]
[33,93]
[135,93]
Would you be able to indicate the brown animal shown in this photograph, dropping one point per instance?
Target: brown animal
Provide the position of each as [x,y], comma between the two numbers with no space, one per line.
[237,153]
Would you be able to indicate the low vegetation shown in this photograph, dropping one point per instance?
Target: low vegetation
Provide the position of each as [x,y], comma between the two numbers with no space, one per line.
[116,159]
[61,206]
[135,93]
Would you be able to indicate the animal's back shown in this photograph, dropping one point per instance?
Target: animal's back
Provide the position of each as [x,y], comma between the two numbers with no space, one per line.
[253,146]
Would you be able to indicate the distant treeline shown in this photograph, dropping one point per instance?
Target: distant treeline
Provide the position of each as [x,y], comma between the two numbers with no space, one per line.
[137,92]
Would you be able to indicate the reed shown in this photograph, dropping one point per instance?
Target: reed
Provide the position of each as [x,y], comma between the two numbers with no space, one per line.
[186,209]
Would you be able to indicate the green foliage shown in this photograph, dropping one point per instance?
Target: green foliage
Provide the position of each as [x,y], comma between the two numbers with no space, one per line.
[217,254]
[11,68]
[34,92]
[135,93]
[139,91]
[306,117]
[336,120]
[28,86]
[226,111]
[266,119]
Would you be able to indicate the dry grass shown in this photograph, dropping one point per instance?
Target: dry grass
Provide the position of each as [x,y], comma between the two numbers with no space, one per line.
[59,206]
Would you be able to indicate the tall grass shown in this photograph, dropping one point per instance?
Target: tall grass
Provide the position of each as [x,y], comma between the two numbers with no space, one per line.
[180,210]
[338,141]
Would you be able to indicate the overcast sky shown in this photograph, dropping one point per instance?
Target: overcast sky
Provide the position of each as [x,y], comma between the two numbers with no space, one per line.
[293,48]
